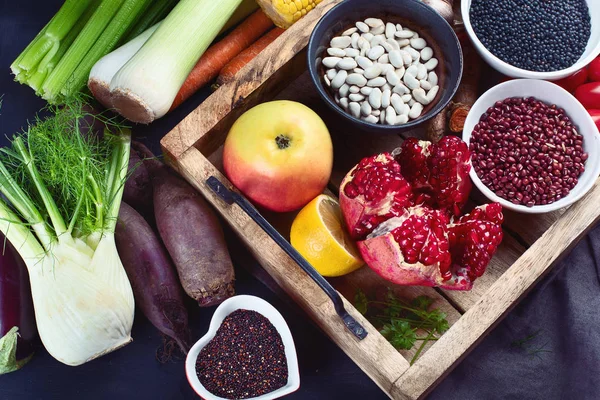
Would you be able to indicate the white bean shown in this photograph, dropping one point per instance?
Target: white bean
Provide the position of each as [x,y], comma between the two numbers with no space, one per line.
[331,73]
[379,30]
[393,43]
[415,55]
[327,80]
[388,47]
[385,68]
[433,78]
[361,26]
[358,71]
[375,98]
[351,52]
[340,42]
[431,64]
[331,62]
[354,38]
[365,108]
[410,81]
[418,44]
[420,96]
[426,53]
[415,111]
[356,79]
[406,97]
[375,52]
[396,59]
[368,36]
[373,72]
[347,64]
[390,115]
[376,113]
[339,79]
[344,90]
[332,51]
[432,93]
[404,34]
[377,40]
[401,89]
[400,72]
[397,103]
[413,70]
[404,109]
[375,82]
[421,72]
[406,58]
[392,78]
[366,90]
[425,84]
[385,98]
[349,32]
[401,119]
[385,87]
[373,22]
[354,109]
[411,102]
[398,27]
[364,62]
[371,118]
[390,30]
[384,59]
[354,89]
[403,42]
[363,43]
[344,103]
[382,117]
[356,97]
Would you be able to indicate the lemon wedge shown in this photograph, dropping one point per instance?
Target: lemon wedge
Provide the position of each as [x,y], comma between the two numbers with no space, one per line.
[319,234]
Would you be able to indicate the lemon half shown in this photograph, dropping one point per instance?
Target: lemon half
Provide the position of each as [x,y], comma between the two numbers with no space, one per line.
[319,234]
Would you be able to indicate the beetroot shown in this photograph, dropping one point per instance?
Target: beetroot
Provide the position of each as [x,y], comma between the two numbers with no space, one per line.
[138,187]
[192,234]
[155,286]
[405,212]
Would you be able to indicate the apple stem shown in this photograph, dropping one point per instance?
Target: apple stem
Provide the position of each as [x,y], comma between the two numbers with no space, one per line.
[283,142]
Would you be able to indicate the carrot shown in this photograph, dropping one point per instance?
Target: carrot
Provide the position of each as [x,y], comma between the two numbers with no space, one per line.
[218,55]
[228,72]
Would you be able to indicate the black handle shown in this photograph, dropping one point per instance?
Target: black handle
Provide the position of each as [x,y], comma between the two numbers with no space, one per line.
[231,197]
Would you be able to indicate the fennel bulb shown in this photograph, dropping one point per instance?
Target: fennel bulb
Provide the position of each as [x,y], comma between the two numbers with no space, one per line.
[64,186]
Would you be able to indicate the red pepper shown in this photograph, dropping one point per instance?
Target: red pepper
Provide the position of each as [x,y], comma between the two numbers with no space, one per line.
[570,83]
[596,117]
[589,95]
[594,70]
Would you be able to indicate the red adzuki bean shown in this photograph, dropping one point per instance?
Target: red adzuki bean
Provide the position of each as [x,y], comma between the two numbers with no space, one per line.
[527,152]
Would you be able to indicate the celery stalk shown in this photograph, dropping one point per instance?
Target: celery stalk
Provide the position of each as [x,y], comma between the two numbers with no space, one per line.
[80,47]
[48,40]
[107,41]
[156,12]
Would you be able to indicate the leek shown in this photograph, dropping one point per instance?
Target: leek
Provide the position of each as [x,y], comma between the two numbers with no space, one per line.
[63,186]
[146,86]
[155,13]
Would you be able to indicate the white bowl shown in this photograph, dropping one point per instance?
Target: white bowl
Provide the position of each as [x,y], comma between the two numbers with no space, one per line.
[549,93]
[267,310]
[591,51]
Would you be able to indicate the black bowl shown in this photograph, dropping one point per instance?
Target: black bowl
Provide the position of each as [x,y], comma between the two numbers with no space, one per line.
[410,13]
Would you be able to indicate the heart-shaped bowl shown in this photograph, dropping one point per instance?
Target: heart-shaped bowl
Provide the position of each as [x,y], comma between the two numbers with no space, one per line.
[259,305]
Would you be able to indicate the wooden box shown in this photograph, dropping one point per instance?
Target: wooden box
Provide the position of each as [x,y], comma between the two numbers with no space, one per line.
[531,246]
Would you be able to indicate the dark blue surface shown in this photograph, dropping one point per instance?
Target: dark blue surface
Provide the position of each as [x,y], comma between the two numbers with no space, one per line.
[561,362]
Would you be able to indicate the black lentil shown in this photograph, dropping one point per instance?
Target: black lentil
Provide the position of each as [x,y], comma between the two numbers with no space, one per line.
[536,35]
[246,358]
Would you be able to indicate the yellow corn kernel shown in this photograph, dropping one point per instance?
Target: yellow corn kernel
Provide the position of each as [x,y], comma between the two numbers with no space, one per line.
[285,12]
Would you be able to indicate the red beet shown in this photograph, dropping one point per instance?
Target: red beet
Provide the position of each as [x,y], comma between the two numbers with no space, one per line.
[16,306]
[155,285]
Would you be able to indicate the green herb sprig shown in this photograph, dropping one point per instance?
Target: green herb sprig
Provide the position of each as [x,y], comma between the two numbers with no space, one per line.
[401,322]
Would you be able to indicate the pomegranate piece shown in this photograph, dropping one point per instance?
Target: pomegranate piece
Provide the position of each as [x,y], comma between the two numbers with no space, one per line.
[373,192]
[438,172]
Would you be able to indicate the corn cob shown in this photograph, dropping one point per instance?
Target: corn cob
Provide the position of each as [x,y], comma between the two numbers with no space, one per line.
[285,12]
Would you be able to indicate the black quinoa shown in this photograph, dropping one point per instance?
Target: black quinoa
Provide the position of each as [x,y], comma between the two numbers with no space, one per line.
[536,35]
[246,358]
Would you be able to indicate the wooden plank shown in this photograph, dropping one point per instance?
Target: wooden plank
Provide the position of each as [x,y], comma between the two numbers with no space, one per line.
[500,298]
[273,61]
[374,354]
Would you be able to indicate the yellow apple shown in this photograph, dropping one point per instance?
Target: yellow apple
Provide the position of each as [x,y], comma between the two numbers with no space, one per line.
[279,154]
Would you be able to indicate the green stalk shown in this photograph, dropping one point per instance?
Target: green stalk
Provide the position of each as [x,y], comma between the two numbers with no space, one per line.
[18,233]
[78,50]
[116,179]
[127,14]
[154,13]
[48,41]
[57,221]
